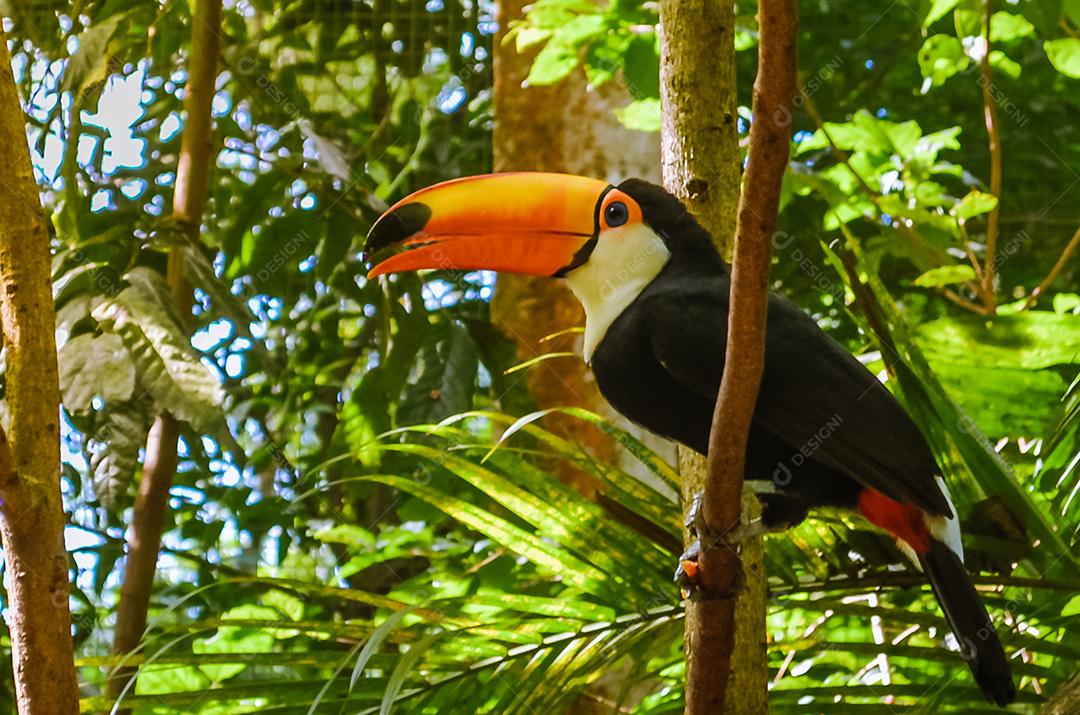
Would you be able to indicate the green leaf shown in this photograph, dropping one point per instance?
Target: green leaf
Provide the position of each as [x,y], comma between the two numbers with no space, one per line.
[1001,62]
[938,10]
[375,642]
[526,37]
[545,555]
[562,53]
[940,57]
[1003,401]
[1005,26]
[1066,302]
[234,639]
[929,146]
[554,607]
[561,523]
[553,64]
[447,379]
[359,422]
[745,40]
[974,204]
[114,455]
[95,366]
[1033,340]
[90,64]
[641,67]
[968,20]
[553,14]
[157,679]
[642,115]
[945,275]
[168,367]
[1064,54]
[581,29]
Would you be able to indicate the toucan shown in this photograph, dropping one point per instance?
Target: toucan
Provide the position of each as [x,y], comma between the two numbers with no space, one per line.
[825,431]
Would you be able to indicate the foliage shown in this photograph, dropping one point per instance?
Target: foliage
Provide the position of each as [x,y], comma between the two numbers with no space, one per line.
[548,591]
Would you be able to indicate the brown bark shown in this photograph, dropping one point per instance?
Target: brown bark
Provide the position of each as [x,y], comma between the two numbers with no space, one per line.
[701,166]
[1065,701]
[562,128]
[189,199]
[993,136]
[31,511]
[693,168]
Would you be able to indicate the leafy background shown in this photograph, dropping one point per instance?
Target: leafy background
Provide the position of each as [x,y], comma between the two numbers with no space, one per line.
[365,518]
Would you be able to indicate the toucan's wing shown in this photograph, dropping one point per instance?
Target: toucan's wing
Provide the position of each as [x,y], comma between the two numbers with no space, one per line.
[814,395]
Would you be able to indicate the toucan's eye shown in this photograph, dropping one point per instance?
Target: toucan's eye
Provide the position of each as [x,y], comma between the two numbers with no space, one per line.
[616,214]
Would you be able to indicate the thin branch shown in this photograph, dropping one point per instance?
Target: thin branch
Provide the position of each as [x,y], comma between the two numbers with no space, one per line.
[955,297]
[1052,276]
[819,121]
[993,134]
[189,199]
[712,639]
[972,257]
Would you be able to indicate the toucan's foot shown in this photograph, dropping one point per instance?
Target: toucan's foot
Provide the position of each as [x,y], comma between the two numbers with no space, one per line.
[688,573]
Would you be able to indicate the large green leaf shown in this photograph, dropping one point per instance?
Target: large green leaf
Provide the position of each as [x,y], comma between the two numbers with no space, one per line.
[1064,54]
[95,366]
[1031,340]
[90,64]
[144,316]
[446,383]
[114,455]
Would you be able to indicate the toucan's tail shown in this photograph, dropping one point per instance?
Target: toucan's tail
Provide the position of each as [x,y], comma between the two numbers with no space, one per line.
[970,623]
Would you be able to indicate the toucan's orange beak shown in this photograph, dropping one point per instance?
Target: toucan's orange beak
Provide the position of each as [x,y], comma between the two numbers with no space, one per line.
[529,223]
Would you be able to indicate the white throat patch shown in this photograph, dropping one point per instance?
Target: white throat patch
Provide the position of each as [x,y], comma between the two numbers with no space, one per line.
[625,260]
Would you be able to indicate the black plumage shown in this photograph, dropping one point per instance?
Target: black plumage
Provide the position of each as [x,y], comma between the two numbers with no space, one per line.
[660,364]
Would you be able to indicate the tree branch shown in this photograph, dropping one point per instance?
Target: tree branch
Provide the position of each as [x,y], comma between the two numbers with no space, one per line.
[189,199]
[1052,276]
[993,134]
[31,511]
[774,90]
[700,149]
[1066,700]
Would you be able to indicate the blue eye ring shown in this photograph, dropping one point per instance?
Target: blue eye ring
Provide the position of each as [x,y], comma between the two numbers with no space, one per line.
[616,214]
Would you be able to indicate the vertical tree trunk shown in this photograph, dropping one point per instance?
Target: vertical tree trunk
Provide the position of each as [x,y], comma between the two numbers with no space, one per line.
[1065,701]
[31,511]
[701,166]
[159,466]
[562,128]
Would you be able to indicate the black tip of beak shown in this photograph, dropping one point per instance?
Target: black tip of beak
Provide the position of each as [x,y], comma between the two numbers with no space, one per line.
[396,226]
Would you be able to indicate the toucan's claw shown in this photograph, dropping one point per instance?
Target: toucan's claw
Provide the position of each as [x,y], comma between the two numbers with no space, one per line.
[688,573]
